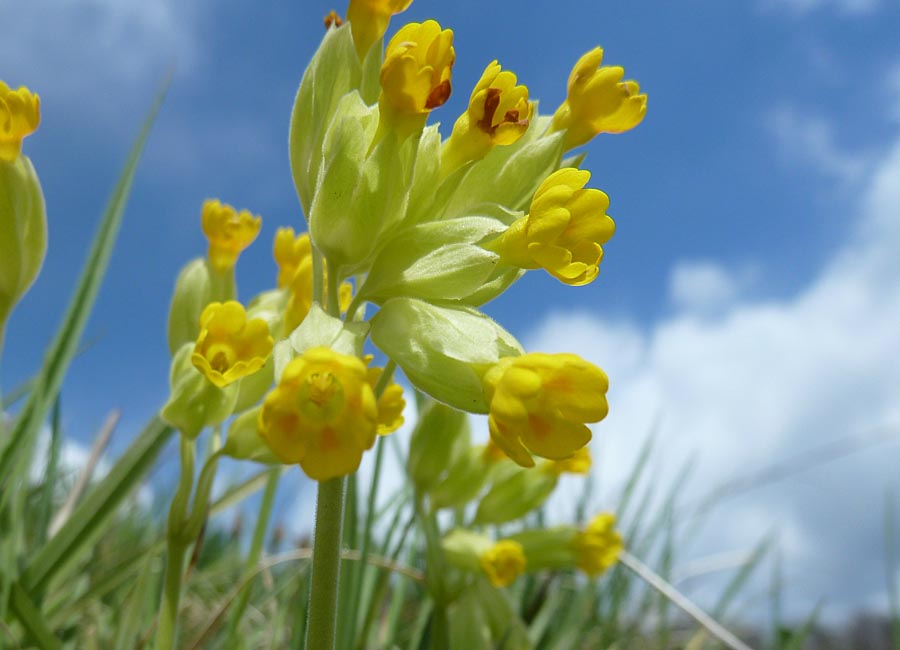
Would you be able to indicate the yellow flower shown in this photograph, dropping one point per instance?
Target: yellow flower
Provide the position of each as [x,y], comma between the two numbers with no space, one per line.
[599,545]
[598,101]
[390,404]
[322,415]
[20,114]
[539,404]
[503,562]
[498,114]
[230,346]
[564,231]
[369,20]
[577,463]
[293,254]
[229,232]
[415,75]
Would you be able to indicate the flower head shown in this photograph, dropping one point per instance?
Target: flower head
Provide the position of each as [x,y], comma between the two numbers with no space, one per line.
[564,231]
[415,75]
[229,232]
[230,346]
[498,114]
[322,415]
[20,114]
[599,545]
[577,463]
[539,404]
[369,20]
[503,562]
[598,101]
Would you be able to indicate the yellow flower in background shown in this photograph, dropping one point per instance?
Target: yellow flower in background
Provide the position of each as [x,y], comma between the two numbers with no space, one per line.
[20,114]
[598,101]
[229,232]
[230,346]
[539,404]
[322,415]
[498,114]
[599,545]
[564,231]
[503,562]
[369,20]
[577,463]
[390,404]
[415,75]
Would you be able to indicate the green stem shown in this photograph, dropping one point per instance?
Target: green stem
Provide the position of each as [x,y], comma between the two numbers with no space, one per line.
[176,549]
[250,567]
[318,264]
[326,567]
[333,306]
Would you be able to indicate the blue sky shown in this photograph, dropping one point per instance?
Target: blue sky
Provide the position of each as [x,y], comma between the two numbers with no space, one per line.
[749,297]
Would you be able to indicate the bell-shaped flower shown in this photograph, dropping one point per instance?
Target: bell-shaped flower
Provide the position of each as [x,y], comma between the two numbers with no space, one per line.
[230,346]
[563,232]
[503,562]
[322,414]
[229,232]
[498,114]
[369,20]
[598,101]
[540,404]
[20,114]
[599,545]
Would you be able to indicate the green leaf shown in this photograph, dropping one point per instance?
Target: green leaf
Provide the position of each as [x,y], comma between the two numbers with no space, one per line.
[30,618]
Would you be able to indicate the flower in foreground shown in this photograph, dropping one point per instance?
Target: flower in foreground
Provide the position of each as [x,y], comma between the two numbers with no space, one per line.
[498,114]
[598,101]
[503,562]
[323,414]
[599,545]
[229,232]
[20,114]
[539,404]
[415,75]
[564,231]
[230,346]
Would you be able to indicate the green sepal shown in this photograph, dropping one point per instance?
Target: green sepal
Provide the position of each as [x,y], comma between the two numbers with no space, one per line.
[548,548]
[463,482]
[333,72]
[444,351]
[515,495]
[464,548]
[245,443]
[198,284]
[194,402]
[440,437]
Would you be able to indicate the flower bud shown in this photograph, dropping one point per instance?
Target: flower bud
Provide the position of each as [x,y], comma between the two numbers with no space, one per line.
[598,101]
[369,20]
[465,478]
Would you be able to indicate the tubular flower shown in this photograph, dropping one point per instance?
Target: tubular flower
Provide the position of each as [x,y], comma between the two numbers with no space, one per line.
[369,20]
[229,232]
[322,415]
[230,346]
[577,463]
[390,404]
[564,231]
[539,404]
[20,114]
[503,562]
[598,101]
[599,545]
[498,114]
[415,75]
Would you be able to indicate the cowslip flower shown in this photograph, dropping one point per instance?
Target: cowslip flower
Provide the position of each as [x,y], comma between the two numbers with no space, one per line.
[540,404]
[563,232]
[415,75]
[599,545]
[20,114]
[230,346]
[322,415]
[598,101]
[503,562]
[577,463]
[369,20]
[229,232]
[390,403]
[498,114]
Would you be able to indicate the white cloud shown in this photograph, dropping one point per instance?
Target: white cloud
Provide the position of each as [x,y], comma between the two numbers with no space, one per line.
[762,382]
[807,140]
[704,286]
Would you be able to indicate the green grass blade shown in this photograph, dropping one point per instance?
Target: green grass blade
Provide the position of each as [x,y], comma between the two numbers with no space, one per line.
[99,504]
[45,506]
[65,344]
[30,618]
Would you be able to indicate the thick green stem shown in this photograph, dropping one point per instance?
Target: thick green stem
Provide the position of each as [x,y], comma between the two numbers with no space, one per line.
[333,306]
[177,546]
[318,264]
[326,566]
